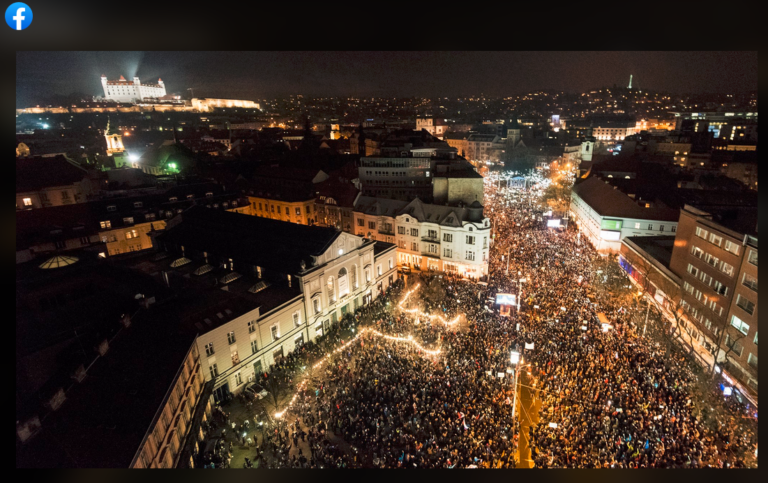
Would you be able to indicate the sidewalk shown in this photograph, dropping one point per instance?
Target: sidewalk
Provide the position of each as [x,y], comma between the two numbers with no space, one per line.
[705,358]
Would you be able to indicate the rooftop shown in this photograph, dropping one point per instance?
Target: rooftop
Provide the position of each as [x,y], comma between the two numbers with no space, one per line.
[277,245]
[659,247]
[33,174]
[104,418]
[607,201]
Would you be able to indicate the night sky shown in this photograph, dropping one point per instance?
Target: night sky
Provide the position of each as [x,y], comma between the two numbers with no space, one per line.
[259,75]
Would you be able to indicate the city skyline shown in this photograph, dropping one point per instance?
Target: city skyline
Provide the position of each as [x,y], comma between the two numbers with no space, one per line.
[260,75]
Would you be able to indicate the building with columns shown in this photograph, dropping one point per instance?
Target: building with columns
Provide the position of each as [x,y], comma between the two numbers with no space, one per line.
[264,287]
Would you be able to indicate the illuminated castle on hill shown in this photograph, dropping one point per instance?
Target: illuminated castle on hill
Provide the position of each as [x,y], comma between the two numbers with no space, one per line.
[126,91]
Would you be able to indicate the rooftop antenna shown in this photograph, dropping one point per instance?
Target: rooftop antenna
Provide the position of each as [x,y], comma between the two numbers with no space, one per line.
[630,82]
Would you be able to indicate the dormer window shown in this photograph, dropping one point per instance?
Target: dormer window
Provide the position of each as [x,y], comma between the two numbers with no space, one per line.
[111,208]
[173,198]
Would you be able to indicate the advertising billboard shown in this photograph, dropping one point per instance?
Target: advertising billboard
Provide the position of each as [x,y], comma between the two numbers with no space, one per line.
[611,224]
[610,235]
[553,223]
[505,299]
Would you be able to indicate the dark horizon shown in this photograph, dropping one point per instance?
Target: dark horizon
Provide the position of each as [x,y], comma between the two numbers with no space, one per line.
[265,75]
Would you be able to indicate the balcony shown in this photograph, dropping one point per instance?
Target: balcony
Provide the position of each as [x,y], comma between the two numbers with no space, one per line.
[430,239]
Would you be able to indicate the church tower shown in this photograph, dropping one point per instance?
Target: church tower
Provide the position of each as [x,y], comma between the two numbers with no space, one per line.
[114,139]
[587,148]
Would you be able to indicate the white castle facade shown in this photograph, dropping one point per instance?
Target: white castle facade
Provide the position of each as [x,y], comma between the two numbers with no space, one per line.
[131,91]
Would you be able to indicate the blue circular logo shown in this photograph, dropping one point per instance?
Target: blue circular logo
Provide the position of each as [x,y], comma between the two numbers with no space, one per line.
[18,16]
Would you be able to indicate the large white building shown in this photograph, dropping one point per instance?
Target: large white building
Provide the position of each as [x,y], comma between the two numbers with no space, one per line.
[123,90]
[605,215]
[428,237]
[285,284]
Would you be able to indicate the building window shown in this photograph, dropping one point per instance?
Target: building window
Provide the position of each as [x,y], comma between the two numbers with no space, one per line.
[149,216]
[731,247]
[701,233]
[275,332]
[661,227]
[727,269]
[254,346]
[746,305]
[128,220]
[740,325]
[447,252]
[749,281]
[214,371]
[752,360]
[470,256]
[448,237]
[131,234]
[173,198]
[298,211]
[470,240]
[27,201]
[106,224]
[696,251]
[231,337]
[296,319]
[432,248]
[138,204]
[391,263]
[414,246]
[111,208]
[753,257]
[673,229]
[316,305]
[715,239]
[238,379]
[733,345]
[360,222]
[371,225]
[401,230]
[252,327]
[260,208]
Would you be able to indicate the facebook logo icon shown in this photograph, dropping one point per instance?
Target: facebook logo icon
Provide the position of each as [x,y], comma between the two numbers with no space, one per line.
[18,16]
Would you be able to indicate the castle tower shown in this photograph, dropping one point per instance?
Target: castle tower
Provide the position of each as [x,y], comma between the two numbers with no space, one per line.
[114,139]
[161,84]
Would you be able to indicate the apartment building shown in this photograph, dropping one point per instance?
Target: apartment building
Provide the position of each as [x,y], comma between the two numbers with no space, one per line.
[428,237]
[715,255]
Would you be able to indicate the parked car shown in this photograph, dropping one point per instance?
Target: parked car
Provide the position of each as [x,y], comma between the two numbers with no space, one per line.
[256,391]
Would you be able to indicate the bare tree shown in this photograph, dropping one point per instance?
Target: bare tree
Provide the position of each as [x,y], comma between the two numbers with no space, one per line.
[729,343]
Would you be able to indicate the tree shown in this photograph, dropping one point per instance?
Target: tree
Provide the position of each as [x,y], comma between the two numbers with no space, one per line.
[729,344]
[433,292]
[277,387]
[557,196]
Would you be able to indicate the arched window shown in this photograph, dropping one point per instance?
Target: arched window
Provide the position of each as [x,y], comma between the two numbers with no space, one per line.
[331,291]
[316,304]
[354,277]
[343,283]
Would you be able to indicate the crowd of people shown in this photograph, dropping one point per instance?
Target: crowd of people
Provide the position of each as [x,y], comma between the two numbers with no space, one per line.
[608,397]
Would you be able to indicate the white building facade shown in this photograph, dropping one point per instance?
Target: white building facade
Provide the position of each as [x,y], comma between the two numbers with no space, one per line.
[123,90]
[606,231]
[429,237]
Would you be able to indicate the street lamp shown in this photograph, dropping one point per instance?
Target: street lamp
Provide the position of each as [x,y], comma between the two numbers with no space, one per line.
[515,359]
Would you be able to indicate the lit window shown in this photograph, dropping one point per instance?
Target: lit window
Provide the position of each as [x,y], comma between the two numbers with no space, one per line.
[27,201]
